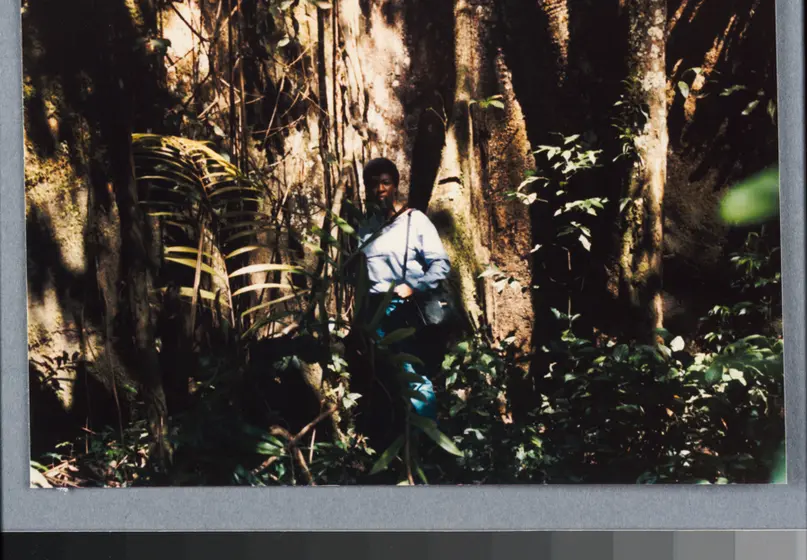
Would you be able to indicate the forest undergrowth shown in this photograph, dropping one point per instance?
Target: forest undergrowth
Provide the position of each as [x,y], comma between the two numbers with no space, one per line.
[708,410]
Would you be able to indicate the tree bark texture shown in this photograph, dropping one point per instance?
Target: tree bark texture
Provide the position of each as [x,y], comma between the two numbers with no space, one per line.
[399,80]
[90,301]
[642,236]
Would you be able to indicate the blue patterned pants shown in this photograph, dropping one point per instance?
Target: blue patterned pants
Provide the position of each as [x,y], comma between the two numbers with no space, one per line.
[400,314]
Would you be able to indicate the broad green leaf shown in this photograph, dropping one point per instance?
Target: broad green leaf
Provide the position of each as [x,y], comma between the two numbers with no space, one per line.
[344,226]
[379,313]
[728,91]
[430,429]
[166,215]
[226,190]
[713,374]
[779,473]
[266,304]
[259,287]
[415,395]
[753,201]
[491,270]
[527,181]
[266,268]
[192,264]
[266,448]
[772,110]
[750,107]
[388,455]
[166,175]
[397,336]
[420,473]
[408,359]
[663,333]
[188,292]
[629,408]
[463,347]
[683,87]
[242,250]
[456,409]
[408,377]
[754,338]
[190,250]
[169,174]
[230,174]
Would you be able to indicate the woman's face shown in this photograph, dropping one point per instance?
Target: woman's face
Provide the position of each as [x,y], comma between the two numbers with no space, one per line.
[382,190]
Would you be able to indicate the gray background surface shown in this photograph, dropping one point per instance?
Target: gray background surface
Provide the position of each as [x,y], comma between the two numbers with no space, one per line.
[393,508]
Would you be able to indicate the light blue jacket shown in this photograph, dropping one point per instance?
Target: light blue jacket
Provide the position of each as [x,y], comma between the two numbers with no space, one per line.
[426,265]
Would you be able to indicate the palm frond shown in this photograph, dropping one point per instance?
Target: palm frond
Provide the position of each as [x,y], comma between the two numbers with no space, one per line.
[194,190]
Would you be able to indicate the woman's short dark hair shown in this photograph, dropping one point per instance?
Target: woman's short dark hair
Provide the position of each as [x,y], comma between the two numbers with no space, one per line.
[377,166]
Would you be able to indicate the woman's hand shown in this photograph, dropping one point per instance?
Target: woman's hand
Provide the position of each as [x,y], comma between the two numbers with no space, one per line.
[403,290]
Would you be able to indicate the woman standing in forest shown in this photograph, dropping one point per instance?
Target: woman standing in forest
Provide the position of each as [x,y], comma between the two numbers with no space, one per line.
[404,253]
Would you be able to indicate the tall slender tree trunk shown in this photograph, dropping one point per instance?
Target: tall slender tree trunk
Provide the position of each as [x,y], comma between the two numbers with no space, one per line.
[642,233]
[138,316]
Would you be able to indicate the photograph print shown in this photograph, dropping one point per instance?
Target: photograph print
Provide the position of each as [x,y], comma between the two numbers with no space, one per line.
[402,242]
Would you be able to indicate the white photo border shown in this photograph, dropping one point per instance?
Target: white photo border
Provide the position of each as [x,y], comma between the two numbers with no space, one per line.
[350,508]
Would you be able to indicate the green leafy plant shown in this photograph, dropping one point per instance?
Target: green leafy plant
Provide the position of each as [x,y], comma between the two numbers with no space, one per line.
[753,201]
[629,119]
[488,102]
[213,221]
[501,280]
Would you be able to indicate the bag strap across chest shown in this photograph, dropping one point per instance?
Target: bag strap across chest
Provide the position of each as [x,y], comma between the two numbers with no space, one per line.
[406,249]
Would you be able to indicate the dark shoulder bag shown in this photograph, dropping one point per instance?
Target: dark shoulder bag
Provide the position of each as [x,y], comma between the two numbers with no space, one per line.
[435,305]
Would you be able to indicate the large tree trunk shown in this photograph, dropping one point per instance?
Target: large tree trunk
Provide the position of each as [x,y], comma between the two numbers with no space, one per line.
[89,267]
[642,233]
[486,153]
[399,80]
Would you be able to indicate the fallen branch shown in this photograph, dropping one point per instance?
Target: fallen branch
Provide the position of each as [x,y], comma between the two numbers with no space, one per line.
[291,444]
[58,468]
